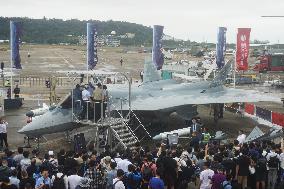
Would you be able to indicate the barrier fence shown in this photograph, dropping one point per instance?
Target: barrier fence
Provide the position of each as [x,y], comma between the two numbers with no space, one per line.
[273,117]
[36,81]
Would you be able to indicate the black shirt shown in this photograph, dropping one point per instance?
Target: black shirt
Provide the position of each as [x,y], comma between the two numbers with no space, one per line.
[243,162]
[24,181]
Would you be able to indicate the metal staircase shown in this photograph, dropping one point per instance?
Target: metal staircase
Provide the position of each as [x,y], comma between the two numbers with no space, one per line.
[116,130]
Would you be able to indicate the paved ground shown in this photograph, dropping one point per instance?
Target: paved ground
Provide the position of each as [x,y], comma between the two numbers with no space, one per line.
[45,60]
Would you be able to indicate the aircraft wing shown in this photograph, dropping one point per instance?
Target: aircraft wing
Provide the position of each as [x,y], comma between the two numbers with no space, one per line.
[165,100]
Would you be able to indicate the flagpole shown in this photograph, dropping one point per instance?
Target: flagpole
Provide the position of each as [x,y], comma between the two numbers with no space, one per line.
[235,68]
[87,62]
[11,55]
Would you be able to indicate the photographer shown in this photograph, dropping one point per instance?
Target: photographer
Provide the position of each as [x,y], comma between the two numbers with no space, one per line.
[43,182]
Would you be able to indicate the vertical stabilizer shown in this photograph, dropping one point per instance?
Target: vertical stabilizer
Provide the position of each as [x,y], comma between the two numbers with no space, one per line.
[150,71]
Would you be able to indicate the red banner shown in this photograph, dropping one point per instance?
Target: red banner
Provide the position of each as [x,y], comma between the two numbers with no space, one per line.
[278,119]
[249,108]
[242,49]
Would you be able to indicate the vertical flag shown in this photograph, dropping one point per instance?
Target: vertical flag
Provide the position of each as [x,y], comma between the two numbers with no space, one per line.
[221,47]
[242,51]
[92,56]
[15,40]
[157,55]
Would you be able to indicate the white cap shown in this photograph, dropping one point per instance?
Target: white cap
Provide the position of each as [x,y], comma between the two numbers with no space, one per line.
[50,153]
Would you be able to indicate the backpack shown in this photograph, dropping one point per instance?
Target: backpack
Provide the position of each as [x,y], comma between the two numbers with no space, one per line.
[58,183]
[49,166]
[147,173]
[223,186]
[113,186]
[273,162]
[261,164]
[130,182]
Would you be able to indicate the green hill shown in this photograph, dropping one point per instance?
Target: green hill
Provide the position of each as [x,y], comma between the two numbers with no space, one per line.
[54,31]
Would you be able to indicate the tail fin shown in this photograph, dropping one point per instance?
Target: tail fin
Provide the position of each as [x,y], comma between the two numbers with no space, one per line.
[221,77]
[150,71]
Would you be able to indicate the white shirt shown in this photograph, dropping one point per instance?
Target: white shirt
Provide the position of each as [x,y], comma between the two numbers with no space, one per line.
[117,159]
[119,184]
[272,154]
[15,181]
[3,128]
[86,95]
[282,160]
[205,178]
[25,163]
[241,138]
[74,180]
[123,164]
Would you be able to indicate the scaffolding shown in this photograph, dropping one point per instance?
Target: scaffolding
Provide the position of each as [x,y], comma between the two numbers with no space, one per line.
[113,128]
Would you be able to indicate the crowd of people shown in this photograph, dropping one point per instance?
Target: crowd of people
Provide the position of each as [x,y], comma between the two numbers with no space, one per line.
[201,165]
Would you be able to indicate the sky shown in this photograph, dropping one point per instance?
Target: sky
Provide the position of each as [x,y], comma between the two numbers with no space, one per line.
[196,20]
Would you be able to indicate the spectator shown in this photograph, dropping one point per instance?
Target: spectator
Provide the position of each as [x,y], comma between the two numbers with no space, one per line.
[32,169]
[59,180]
[3,133]
[85,183]
[24,163]
[13,178]
[242,169]
[218,178]
[95,175]
[123,164]
[19,156]
[44,181]
[205,177]
[61,157]
[133,177]
[53,161]
[148,169]
[227,183]
[156,182]
[117,182]
[5,171]
[111,175]
[26,179]
[261,172]
[74,179]
[69,163]
[6,184]
[35,155]
[10,159]
[273,161]
[242,137]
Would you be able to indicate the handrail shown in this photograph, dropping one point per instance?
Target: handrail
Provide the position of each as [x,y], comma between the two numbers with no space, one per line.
[121,116]
[140,123]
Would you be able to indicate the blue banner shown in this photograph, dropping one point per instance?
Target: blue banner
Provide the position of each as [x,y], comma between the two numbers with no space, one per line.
[15,40]
[221,47]
[263,113]
[157,55]
[92,36]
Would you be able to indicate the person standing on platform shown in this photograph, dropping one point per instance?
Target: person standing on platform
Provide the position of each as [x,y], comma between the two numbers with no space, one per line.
[86,98]
[98,98]
[3,133]
[17,91]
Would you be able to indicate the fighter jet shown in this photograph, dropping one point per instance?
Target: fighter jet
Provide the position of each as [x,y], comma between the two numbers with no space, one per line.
[152,97]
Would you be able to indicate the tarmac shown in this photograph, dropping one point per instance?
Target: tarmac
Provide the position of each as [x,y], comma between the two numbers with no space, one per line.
[45,60]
